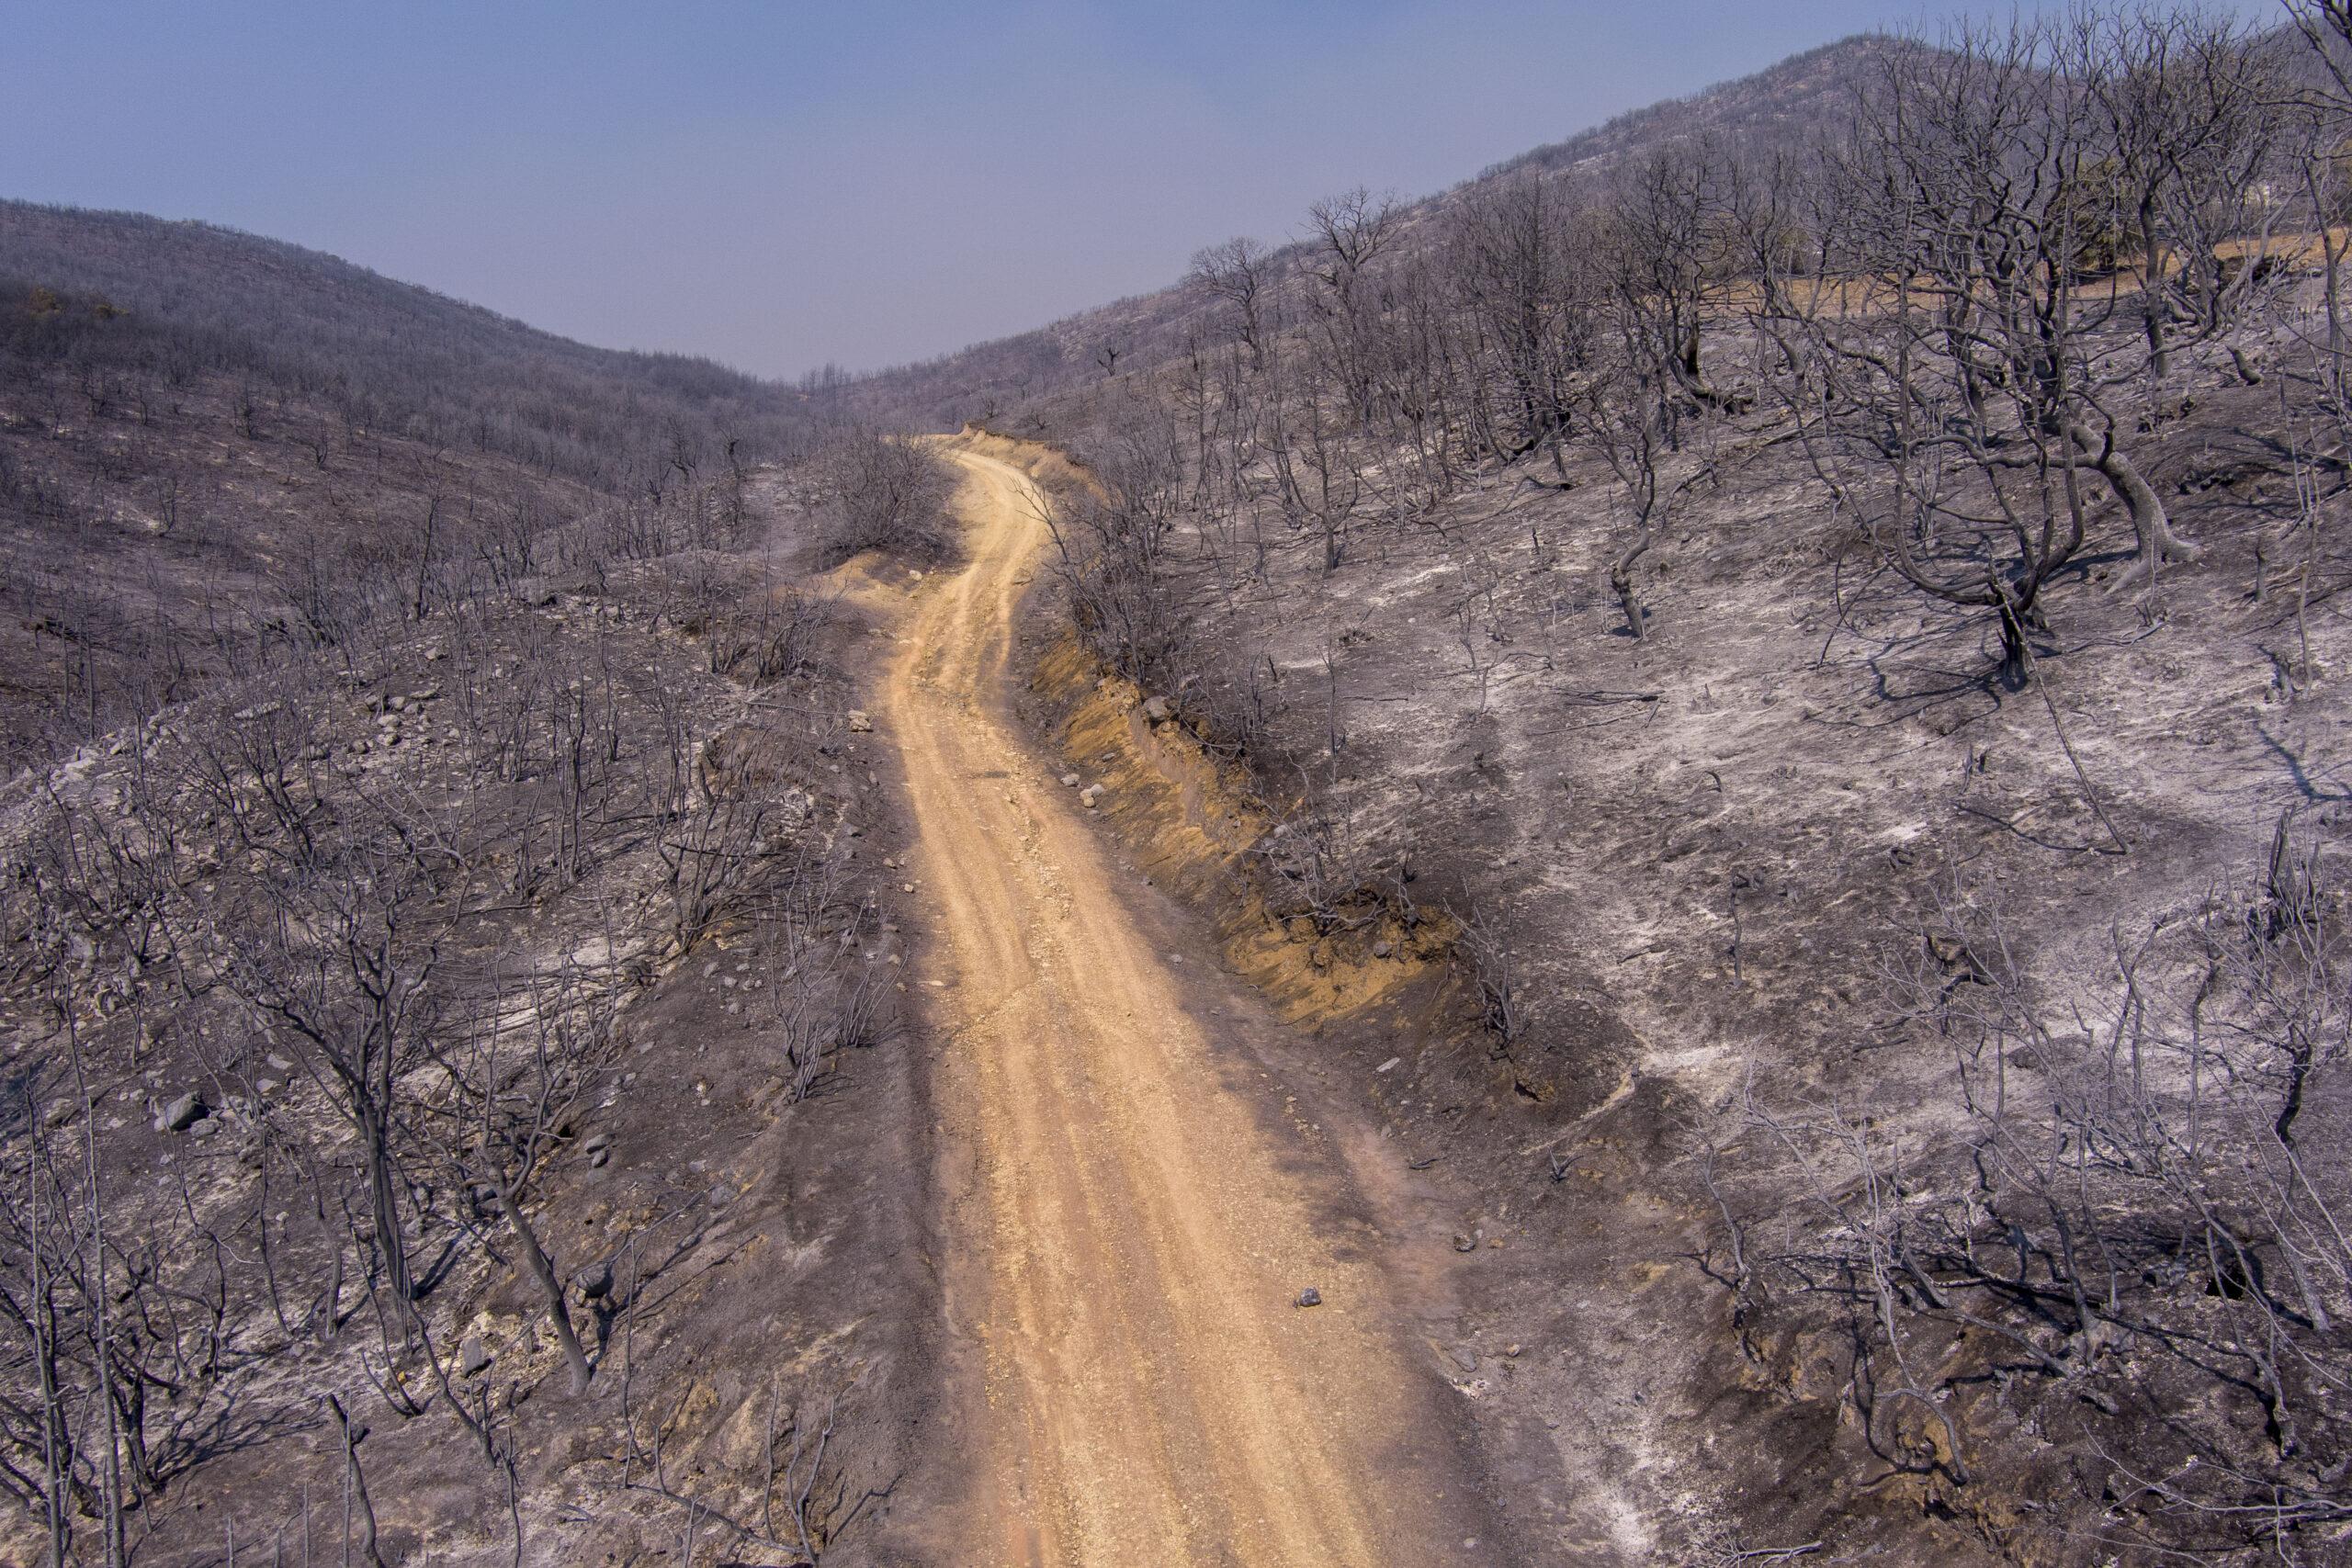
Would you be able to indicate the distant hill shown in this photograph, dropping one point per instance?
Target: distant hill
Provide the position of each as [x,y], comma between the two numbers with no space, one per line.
[1776,105]
[1782,103]
[390,356]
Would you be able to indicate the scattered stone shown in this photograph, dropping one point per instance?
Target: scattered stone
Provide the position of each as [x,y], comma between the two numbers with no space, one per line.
[185,1112]
[1381,950]
[473,1356]
[279,1063]
[595,1141]
[1387,1065]
[260,710]
[600,1159]
[204,1129]
[859,724]
[1156,709]
[266,1085]
[1089,795]
[596,1283]
[1464,1242]
[1310,1297]
[1069,781]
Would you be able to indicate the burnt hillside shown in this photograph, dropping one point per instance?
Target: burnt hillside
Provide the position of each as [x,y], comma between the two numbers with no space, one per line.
[1872,755]
[439,942]
[215,450]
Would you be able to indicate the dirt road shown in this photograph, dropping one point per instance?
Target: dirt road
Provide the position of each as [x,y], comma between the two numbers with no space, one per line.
[1135,1235]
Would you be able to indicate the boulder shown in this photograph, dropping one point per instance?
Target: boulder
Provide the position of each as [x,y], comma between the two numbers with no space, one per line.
[185,1112]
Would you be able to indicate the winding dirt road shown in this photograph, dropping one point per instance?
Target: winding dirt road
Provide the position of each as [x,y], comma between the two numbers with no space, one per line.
[1135,1237]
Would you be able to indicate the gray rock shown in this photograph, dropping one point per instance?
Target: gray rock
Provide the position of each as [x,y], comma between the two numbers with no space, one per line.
[1071,779]
[185,1112]
[859,724]
[1090,796]
[1310,1297]
[472,1356]
[1156,709]
[597,1281]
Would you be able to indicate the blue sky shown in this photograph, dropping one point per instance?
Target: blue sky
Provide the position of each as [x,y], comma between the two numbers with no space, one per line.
[786,183]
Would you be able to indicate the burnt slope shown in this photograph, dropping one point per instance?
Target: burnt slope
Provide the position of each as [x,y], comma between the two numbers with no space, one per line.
[215,448]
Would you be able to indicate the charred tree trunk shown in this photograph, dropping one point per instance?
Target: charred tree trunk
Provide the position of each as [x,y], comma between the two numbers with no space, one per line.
[2150,522]
[542,1267]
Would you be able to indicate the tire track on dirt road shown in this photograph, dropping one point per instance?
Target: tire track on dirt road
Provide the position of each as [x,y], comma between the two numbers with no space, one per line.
[1129,1240]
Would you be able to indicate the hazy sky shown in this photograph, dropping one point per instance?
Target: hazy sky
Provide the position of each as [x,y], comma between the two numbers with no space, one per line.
[859,181]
